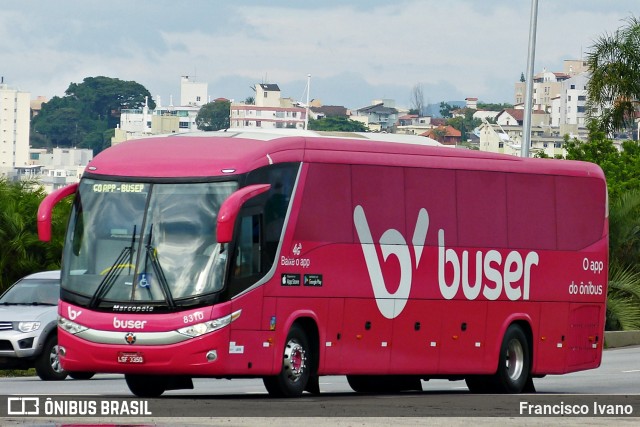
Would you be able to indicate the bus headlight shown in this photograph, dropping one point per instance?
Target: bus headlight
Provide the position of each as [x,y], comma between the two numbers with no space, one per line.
[69,326]
[209,326]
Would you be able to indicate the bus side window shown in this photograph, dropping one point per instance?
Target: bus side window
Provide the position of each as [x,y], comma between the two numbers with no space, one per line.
[247,263]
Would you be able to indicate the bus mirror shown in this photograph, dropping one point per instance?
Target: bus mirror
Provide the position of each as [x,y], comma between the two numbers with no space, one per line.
[46,207]
[231,207]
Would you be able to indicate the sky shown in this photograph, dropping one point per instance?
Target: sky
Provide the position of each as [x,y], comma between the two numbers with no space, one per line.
[355,51]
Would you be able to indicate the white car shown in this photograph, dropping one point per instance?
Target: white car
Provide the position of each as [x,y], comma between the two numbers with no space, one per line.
[28,327]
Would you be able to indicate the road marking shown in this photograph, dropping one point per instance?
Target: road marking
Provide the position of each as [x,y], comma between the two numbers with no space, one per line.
[633,370]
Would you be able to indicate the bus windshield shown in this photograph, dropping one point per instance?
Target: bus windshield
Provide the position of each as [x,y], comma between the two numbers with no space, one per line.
[144,242]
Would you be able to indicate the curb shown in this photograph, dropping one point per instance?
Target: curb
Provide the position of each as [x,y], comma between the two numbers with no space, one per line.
[615,339]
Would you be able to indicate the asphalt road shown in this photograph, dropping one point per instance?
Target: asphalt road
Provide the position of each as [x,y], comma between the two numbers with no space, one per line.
[615,386]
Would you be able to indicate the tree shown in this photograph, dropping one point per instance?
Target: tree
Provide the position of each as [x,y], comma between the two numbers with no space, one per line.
[522,79]
[493,107]
[214,115]
[622,168]
[338,124]
[417,100]
[465,124]
[86,112]
[623,302]
[446,109]
[613,90]
[21,252]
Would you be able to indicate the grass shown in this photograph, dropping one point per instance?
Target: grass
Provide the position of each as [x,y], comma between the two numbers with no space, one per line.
[18,373]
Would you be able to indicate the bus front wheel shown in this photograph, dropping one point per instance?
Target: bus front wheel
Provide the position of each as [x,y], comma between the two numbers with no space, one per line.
[146,385]
[295,371]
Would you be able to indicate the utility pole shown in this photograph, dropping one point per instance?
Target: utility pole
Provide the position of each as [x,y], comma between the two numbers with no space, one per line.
[306,115]
[528,106]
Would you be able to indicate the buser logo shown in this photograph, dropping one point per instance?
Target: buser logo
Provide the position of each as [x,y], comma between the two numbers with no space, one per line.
[493,274]
[128,324]
[391,243]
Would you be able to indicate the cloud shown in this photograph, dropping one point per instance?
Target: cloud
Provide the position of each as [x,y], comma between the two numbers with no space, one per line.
[355,51]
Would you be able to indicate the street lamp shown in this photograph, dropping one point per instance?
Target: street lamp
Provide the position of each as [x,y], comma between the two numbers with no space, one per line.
[526,125]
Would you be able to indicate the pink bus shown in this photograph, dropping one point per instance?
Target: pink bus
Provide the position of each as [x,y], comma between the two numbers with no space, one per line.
[291,257]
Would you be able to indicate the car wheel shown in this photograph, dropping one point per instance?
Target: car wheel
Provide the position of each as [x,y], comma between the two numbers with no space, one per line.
[47,364]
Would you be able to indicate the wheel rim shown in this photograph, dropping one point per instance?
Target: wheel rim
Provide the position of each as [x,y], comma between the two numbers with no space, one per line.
[295,360]
[54,359]
[514,360]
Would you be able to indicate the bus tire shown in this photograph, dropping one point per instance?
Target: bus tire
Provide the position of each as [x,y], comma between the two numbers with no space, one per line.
[479,384]
[361,383]
[295,372]
[514,362]
[47,364]
[384,383]
[146,385]
[81,375]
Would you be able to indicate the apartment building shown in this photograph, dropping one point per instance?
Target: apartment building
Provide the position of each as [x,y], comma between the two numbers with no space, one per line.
[270,111]
[56,168]
[379,117]
[15,113]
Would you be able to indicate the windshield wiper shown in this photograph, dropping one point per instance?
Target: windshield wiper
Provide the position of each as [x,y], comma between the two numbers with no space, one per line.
[114,271]
[157,269]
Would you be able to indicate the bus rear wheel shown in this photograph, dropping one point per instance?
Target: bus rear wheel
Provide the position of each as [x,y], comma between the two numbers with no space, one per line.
[514,362]
[295,372]
[146,385]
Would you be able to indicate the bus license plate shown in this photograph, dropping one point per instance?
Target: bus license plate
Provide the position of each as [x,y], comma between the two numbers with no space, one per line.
[124,357]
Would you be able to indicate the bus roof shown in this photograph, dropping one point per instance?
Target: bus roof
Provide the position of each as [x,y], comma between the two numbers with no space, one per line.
[214,154]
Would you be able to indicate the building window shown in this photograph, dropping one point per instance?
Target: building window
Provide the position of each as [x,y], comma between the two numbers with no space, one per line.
[258,123]
[183,125]
[582,98]
[581,109]
[573,86]
[569,98]
[198,99]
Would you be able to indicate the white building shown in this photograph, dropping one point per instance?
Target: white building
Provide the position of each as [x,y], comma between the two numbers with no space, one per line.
[193,93]
[269,112]
[14,129]
[56,169]
[569,107]
[143,122]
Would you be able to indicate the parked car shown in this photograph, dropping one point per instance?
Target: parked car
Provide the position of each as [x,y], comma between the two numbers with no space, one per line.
[28,327]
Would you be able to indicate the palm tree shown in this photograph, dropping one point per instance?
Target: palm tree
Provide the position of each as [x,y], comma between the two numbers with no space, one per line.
[613,90]
[623,298]
[21,252]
